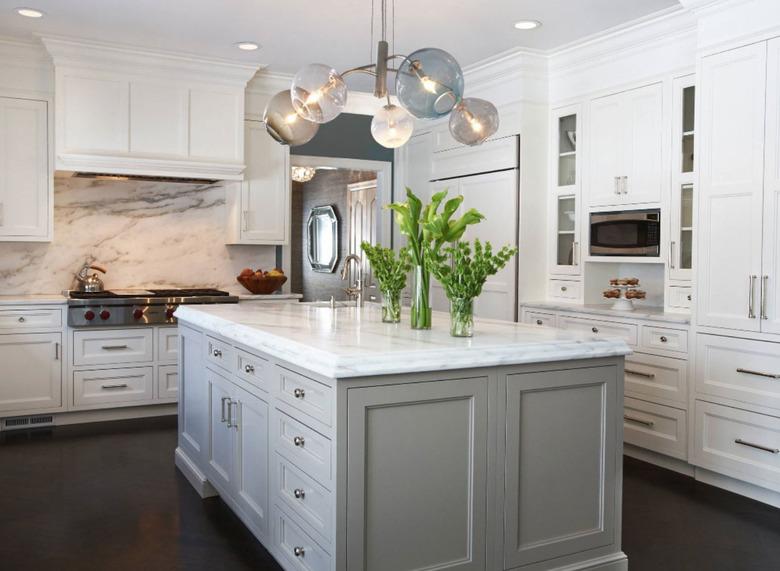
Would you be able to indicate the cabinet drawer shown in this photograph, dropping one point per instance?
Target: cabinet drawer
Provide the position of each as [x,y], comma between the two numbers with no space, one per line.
[167,344]
[738,369]
[306,448]
[111,347]
[657,378]
[626,331]
[30,318]
[659,428]
[304,497]
[299,550]
[743,445]
[167,381]
[253,369]
[114,386]
[665,340]
[220,354]
[680,297]
[539,318]
[305,394]
[564,289]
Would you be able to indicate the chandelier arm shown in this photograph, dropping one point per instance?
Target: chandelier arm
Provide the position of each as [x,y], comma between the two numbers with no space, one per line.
[362,69]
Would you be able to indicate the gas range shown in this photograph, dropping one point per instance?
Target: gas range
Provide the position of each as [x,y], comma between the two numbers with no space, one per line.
[123,307]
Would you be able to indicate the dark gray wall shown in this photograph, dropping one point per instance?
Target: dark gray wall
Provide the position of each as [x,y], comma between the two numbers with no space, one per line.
[348,136]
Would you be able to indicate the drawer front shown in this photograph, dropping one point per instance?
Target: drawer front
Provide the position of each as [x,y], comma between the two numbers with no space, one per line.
[662,339]
[31,318]
[608,329]
[659,428]
[111,347]
[306,448]
[114,386]
[305,394]
[167,381]
[304,497]
[253,369]
[738,369]
[657,378]
[743,445]
[168,344]
[539,318]
[297,547]
[564,289]
[220,354]
[680,297]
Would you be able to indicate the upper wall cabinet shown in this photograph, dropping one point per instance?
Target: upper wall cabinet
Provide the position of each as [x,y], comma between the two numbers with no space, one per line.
[565,207]
[626,147]
[135,112]
[683,178]
[26,191]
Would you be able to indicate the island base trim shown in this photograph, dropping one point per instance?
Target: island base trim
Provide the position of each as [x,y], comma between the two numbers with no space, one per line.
[194,476]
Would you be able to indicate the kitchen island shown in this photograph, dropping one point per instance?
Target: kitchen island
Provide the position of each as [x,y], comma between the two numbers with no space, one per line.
[344,443]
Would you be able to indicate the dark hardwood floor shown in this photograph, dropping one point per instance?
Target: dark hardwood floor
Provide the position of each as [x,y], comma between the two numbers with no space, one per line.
[108,497]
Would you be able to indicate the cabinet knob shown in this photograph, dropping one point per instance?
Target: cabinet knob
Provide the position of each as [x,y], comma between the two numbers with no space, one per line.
[298,441]
[22,320]
[217,353]
[249,368]
[595,329]
[564,288]
[689,297]
[299,393]
[664,339]
[298,551]
[299,493]
[539,322]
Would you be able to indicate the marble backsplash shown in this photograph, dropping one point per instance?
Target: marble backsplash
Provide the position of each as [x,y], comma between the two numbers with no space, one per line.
[146,234]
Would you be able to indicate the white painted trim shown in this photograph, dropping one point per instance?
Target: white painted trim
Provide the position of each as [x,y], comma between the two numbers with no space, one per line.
[738,487]
[124,165]
[660,460]
[193,474]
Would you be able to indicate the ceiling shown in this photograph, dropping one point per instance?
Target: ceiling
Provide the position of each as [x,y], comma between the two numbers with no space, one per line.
[293,33]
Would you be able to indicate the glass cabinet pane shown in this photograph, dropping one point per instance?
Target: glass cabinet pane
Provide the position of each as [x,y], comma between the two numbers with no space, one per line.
[686,226]
[566,225]
[567,150]
[688,123]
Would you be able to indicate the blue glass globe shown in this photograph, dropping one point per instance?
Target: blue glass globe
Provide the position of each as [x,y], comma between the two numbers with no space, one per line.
[429,83]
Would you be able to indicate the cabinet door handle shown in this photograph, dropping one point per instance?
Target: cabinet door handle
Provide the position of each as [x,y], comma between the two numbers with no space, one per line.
[299,393]
[643,422]
[298,551]
[117,386]
[758,373]
[232,424]
[757,446]
[56,351]
[222,411]
[617,185]
[113,347]
[764,295]
[299,493]
[639,373]
[671,254]
[625,185]
[244,223]
[751,297]
[249,369]
[299,441]
[229,413]
[217,353]
[576,254]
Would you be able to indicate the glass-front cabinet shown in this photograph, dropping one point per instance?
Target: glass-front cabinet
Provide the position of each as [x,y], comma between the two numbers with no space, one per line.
[565,199]
[681,235]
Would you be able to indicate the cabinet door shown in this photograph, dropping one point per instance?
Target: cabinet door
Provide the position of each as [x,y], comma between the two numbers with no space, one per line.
[32,372]
[566,242]
[251,476]
[643,111]
[605,163]
[193,395]
[770,299]
[265,192]
[561,465]
[732,87]
[221,418]
[25,200]
[416,466]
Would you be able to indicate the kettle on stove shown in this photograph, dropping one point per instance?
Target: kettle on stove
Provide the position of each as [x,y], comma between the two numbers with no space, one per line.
[90,283]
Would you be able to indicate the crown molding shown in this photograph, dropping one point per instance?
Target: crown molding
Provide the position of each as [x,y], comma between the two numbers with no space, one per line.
[23,53]
[704,7]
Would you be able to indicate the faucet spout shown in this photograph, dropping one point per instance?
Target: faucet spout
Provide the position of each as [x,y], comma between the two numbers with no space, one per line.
[354,291]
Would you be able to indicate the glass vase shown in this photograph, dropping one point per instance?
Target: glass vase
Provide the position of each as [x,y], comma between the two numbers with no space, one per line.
[391,306]
[462,317]
[421,296]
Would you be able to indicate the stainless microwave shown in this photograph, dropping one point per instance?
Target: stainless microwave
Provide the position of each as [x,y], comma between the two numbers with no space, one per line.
[626,233]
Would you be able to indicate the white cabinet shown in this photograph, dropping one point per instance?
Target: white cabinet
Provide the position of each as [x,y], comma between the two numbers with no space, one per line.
[193,396]
[32,372]
[565,210]
[626,147]
[221,450]
[26,191]
[259,208]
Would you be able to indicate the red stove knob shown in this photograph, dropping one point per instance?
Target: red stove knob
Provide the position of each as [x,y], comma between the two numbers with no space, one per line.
[105,314]
[169,312]
[138,313]
[89,315]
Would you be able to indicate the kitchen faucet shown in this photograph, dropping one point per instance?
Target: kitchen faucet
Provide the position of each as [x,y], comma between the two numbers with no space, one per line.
[354,291]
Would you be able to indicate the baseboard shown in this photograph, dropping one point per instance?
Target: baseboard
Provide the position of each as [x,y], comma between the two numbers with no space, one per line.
[738,487]
[107,414]
[193,474]
[613,562]
[673,464]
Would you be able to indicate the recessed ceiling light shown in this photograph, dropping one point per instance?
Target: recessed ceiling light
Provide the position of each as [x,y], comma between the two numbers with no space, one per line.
[247,46]
[29,12]
[527,24]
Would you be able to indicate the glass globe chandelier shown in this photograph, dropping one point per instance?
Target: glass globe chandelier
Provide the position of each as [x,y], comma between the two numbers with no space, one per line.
[428,84]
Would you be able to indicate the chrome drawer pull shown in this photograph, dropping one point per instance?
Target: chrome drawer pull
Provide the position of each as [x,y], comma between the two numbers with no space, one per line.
[299,393]
[113,347]
[539,322]
[217,353]
[758,373]
[119,386]
[249,369]
[22,320]
[298,441]
[594,329]
[298,551]
[757,446]
[564,288]
[663,339]
[648,423]
[639,373]
[299,493]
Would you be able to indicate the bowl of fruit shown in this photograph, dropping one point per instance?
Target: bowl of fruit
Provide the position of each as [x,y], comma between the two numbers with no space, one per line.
[262,283]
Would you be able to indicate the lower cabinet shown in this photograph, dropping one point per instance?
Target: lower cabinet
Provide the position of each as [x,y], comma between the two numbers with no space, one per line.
[563,502]
[32,372]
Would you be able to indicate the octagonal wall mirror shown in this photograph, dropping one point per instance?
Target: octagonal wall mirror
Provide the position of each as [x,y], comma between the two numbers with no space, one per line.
[323,234]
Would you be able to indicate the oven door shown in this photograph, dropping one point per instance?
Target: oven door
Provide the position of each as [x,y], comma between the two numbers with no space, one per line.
[620,235]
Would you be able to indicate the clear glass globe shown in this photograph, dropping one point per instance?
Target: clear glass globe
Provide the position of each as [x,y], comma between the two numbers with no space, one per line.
[473,120]
[284,124]
[392,126]
[318,93]
[429,83]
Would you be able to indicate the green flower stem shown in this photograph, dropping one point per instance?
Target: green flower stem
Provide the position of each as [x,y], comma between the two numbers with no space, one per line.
[421,306]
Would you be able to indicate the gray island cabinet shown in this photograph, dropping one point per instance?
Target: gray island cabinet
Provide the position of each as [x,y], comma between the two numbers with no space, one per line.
[346,444]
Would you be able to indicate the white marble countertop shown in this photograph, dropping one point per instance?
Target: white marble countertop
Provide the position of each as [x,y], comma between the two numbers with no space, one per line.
[33,299]
[647,313]
[352,342]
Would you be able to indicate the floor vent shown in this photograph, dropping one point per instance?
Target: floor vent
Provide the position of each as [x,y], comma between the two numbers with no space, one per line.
[27,422]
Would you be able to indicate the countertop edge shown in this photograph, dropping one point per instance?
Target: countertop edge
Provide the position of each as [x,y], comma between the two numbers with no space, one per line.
[637,314]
